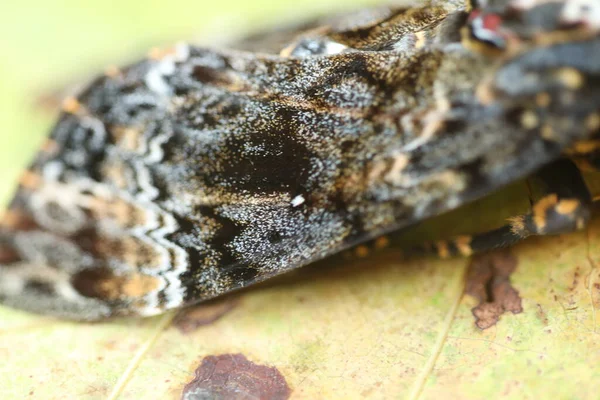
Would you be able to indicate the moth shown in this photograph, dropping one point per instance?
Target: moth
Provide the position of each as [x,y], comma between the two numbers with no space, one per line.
[198,171]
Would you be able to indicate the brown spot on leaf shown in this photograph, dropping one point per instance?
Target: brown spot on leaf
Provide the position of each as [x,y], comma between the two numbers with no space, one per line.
[489,282]
[204,314]
[233,376]
[576,279]
[541,314]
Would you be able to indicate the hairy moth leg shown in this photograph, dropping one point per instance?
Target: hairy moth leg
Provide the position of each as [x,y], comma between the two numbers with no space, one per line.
[563,207]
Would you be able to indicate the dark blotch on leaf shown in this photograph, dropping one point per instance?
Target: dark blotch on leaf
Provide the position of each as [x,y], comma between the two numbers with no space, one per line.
[205,314]
[233,376]
[489,282]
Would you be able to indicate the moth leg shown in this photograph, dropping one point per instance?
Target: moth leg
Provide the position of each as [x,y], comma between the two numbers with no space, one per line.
[563,207]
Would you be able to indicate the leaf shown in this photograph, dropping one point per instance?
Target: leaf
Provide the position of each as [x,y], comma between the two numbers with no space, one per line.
[376,327]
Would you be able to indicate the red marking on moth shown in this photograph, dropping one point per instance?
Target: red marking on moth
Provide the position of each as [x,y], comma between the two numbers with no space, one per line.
[474,14]
[492,22]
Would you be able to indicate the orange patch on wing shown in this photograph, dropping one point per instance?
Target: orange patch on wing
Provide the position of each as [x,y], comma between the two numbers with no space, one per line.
[382,242]
[585,146]
[49,146]
[361,251]
[71,105]
[30,180]
[567,206]
[442,249]
[541,208]
[112,71]
[122,212]
[463,244]
[115,174]
[12,219]
[157,53]
[133,286]
[130,250]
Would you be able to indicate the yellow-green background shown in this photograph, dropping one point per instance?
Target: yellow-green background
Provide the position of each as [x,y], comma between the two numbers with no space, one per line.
[374,328]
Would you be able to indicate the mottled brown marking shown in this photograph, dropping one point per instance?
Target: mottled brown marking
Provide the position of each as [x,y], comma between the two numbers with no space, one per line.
[204,314]
[126,137]
[130,250]
[233,376]
[121,211]
[376,34]
[139,285]
[488,280]
[116,174]
[139,254]
[130,286]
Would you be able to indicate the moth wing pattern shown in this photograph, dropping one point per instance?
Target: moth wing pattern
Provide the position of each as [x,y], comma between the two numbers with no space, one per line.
[199,171]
